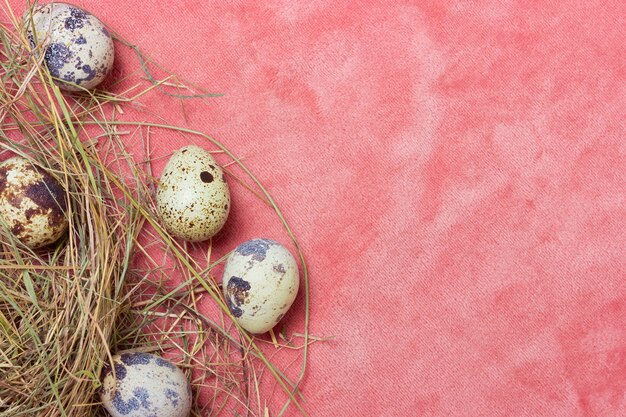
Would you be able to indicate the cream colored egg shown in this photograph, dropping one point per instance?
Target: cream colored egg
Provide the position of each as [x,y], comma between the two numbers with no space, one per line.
[193,199]
[260,283]
[33,204]
[145,385]
[78,48]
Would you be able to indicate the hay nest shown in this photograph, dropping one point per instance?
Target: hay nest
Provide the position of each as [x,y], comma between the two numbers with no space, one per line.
[66,309]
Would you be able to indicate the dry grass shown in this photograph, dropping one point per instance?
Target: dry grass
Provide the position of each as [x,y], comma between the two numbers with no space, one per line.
[105,287]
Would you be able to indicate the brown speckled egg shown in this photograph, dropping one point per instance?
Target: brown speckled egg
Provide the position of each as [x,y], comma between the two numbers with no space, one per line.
[32,203]
[144,385]
[79,49]
[260,283]
[193,199]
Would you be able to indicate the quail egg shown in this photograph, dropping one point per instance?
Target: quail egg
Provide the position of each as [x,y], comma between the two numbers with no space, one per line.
[33,204]
[144,385]
[78,47]
[193,199]
[260,283]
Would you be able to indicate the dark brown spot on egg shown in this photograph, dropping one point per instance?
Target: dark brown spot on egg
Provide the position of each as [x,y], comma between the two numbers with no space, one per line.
[14,196]
[206,177]
[3,179]
[48,194]
[29,213]
[238,290]
[17,228]
[255,309]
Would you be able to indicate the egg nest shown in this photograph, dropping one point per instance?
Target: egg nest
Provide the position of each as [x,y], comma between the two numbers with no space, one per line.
[66,309]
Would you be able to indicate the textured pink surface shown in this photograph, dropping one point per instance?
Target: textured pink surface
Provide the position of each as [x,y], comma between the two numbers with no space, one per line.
[456,173]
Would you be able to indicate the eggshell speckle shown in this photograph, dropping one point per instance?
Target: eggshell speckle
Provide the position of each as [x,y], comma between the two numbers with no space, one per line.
[145,385]
[32,203]
[193,199]
[79,47]
[260,283]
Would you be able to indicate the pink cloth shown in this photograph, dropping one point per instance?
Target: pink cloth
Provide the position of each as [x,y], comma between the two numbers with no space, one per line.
[456,174]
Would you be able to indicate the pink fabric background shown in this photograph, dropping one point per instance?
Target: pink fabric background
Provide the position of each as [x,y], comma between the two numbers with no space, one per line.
[456,173]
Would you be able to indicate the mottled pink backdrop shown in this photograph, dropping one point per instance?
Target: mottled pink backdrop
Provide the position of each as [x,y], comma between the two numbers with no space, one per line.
[456,173]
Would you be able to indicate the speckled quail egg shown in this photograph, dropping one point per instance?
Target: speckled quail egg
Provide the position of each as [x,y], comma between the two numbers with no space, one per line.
[144,385]
[79,49]
[193,199]
[260,283]
[33,204]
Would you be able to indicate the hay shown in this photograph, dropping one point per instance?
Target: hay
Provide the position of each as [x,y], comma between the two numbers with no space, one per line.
[103,288]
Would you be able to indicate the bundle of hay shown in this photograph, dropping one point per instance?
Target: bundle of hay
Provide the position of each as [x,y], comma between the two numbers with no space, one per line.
[66,308]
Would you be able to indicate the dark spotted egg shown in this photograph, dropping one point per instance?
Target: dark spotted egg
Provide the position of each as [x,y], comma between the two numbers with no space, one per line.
[193,199]
[144,385]
[33,204]
[78,47]
[260,283]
